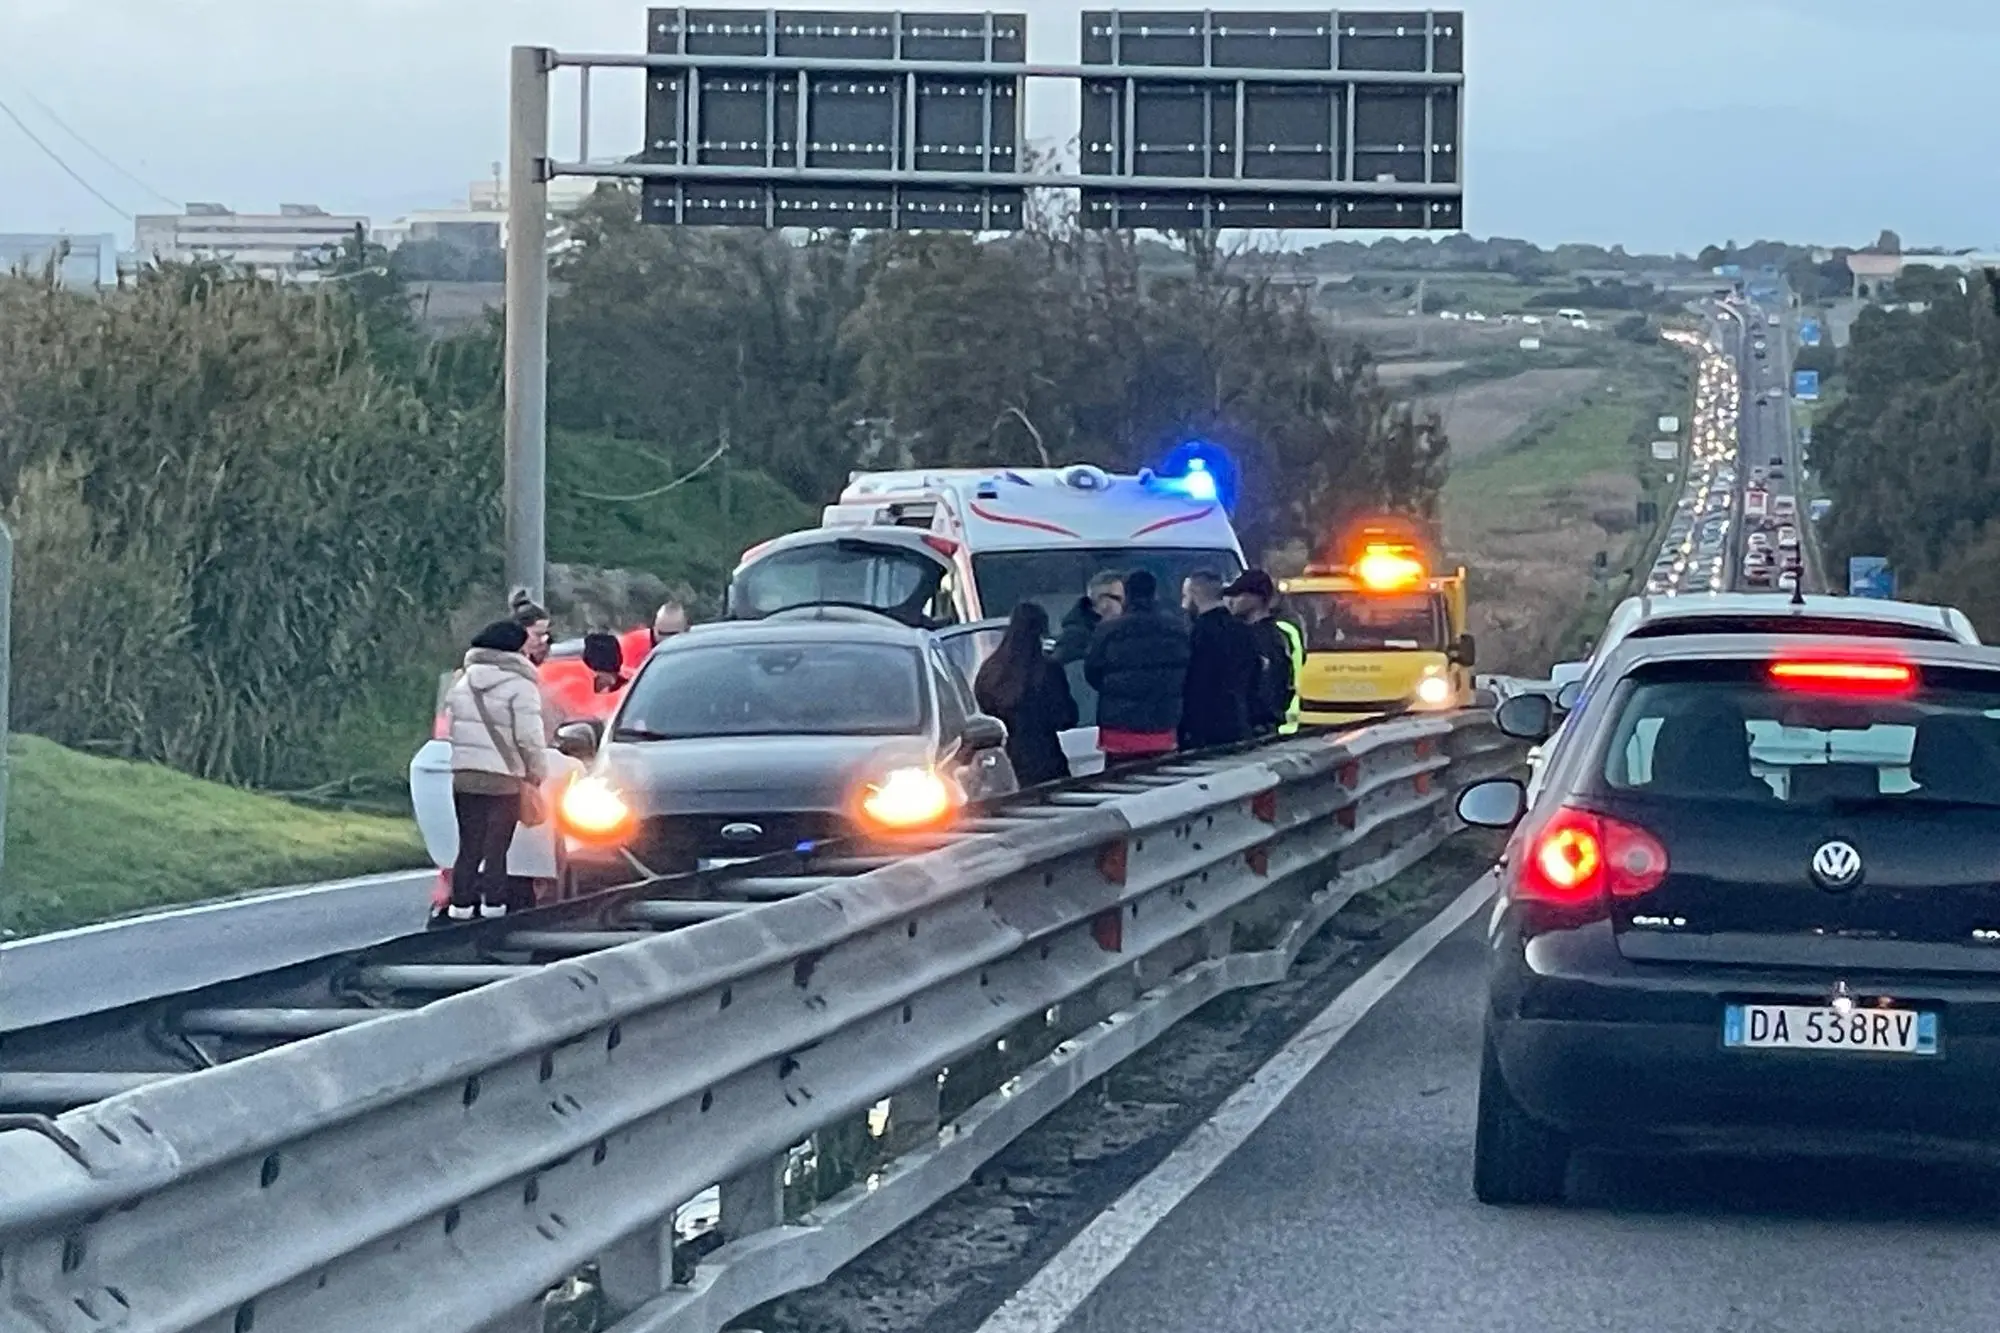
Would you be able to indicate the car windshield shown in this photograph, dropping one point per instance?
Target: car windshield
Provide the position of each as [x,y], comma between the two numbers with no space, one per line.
[1056,576]
[776,689]
[1727,732]
[1360,622]
[908,585]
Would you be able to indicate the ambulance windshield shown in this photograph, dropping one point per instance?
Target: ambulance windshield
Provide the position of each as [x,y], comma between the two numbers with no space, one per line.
[1057,576]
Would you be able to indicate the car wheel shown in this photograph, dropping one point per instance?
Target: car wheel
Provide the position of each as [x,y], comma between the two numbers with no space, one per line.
[1515,1158]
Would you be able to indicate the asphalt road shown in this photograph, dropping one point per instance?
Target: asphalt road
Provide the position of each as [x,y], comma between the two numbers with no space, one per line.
[1767,432]
[49,978]
[1350,1208]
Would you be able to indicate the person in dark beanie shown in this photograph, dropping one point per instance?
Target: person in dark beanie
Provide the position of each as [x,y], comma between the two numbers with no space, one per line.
[1137,663]
[498,764]
[1223,671]
[590,695]
[1279,646]
[606,661]
[1021,686]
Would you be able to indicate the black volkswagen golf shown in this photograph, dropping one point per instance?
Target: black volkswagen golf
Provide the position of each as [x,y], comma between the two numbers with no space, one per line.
[1756,909]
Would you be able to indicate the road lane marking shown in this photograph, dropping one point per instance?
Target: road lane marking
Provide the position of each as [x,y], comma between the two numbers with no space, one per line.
[1056,1292]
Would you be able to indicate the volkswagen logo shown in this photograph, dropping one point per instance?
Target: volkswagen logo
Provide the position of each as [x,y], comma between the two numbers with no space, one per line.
[743,832]
[1836,865]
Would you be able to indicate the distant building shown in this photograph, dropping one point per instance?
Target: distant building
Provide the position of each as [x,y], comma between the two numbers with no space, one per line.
[294,240]
[481,223]
[82,262]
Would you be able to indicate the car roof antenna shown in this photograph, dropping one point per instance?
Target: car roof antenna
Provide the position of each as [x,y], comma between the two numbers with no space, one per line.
[1799,589]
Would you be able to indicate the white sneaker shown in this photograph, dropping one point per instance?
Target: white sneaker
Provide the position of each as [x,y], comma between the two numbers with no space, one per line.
[492,910]
[458,913]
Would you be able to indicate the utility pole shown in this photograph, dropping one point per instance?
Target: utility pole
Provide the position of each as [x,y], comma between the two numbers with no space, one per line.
[6,681]
[527,316]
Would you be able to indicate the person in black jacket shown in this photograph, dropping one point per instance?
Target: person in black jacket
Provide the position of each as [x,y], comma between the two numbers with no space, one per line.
[1137,663]
[1020,685]
[1102,600]
[1250,599]
[1224,669]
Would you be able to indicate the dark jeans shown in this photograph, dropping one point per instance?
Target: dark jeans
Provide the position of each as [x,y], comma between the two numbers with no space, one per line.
[485,831]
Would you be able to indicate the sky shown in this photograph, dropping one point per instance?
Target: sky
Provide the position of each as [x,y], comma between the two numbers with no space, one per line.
[1662,125]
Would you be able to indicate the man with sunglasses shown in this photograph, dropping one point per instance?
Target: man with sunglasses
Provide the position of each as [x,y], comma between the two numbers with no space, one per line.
[1103,599]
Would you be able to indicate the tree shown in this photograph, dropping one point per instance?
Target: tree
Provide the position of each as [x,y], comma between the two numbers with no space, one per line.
[1909,456]
[683,337]
[237,513]
[1636,328]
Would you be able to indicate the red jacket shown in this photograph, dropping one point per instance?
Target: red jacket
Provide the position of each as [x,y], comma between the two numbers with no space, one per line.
[571,691]
[634,645]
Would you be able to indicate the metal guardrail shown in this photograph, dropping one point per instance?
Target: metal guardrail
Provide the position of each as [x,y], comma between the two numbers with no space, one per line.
[71,973]
[445,1167]
[107,1009]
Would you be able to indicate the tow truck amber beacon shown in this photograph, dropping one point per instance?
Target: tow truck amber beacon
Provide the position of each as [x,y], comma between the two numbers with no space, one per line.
[1385,630]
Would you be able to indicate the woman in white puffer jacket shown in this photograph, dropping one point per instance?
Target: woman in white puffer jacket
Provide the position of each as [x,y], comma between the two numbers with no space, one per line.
[497,756]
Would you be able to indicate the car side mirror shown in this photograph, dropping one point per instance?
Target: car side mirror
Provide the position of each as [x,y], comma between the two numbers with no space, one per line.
[1462,653]
[1526,717]
[579,740]
[1496,803]
[983,732]
[1569,696]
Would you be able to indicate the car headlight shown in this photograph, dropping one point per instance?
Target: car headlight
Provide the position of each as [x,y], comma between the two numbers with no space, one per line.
[1433,691]
[908,798]
[592,809]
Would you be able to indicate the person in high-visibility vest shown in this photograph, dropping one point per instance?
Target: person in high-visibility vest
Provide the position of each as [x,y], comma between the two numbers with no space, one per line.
[1279,644]
[1295,642]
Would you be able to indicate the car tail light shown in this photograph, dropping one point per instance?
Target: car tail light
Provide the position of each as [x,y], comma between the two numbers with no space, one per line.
[1581,859]
[1845,676]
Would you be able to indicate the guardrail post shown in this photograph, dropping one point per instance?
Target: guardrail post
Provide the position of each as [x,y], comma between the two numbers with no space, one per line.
[914,1114]
[637,1268]
[1218,939]
[754,1200]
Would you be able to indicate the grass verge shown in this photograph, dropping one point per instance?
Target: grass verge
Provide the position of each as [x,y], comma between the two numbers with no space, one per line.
[89,839]
[1532,518]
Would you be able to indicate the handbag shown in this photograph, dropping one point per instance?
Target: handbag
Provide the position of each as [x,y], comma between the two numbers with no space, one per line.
[534,808]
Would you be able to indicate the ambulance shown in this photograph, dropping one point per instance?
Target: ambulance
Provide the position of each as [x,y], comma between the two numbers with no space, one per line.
[958,545]
[957,549]
[1385,629]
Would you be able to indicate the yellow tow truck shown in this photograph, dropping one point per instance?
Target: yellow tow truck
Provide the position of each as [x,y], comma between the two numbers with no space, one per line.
[1385,632]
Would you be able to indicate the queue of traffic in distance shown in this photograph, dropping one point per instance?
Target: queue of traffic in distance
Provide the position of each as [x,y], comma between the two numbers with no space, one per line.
[1692,551]
[1750,906]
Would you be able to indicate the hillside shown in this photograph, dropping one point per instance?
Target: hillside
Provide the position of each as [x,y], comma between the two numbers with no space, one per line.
[614,504]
